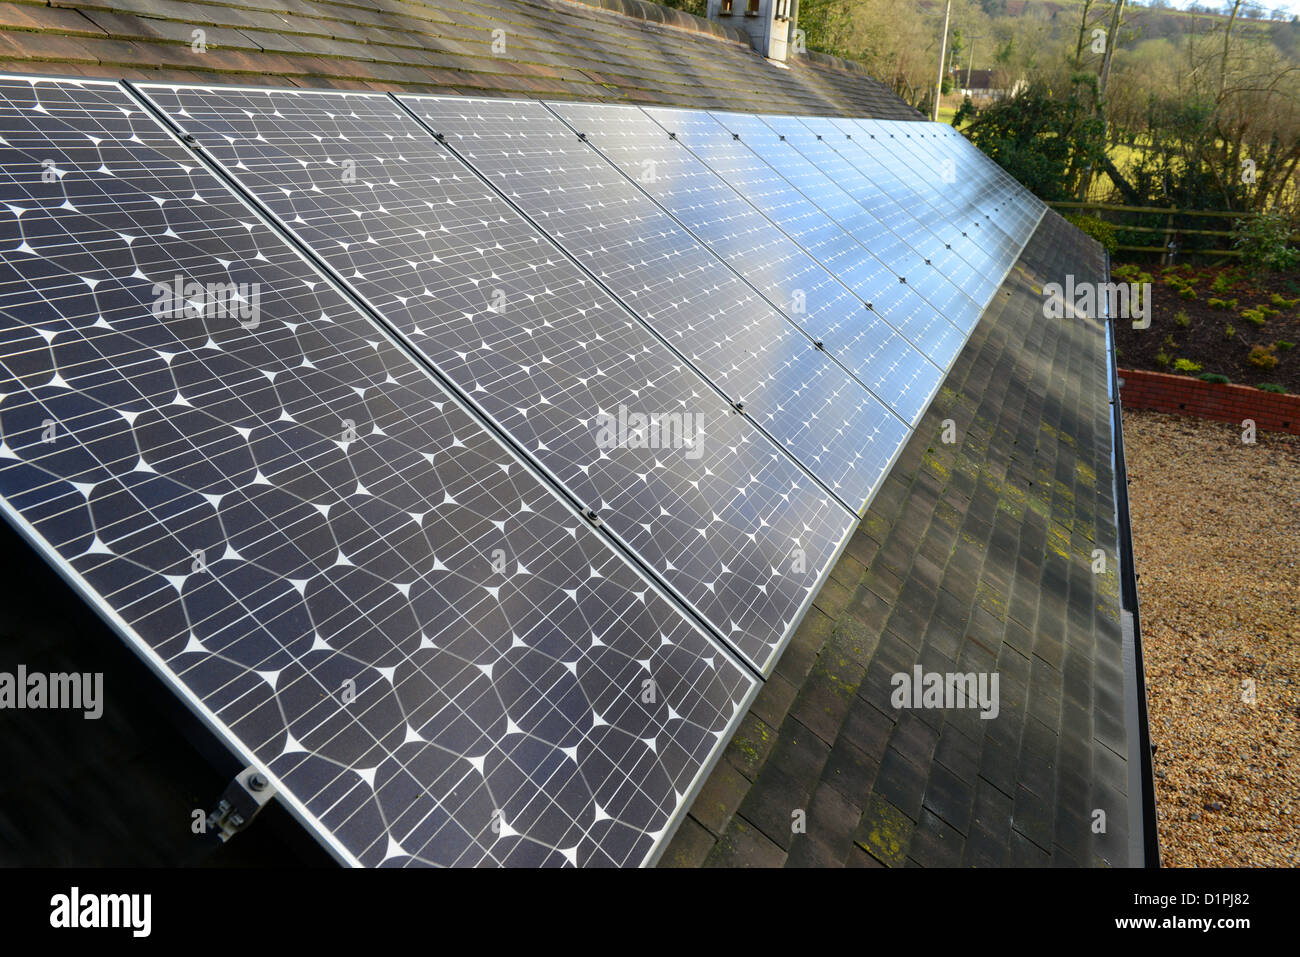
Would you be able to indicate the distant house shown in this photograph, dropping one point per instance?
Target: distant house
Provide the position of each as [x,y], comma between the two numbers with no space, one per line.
[987,84]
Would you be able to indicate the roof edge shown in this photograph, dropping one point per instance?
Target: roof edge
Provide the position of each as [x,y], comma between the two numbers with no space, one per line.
[1144,836]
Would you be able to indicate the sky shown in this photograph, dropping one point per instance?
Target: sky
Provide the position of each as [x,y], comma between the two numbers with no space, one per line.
[1292,6]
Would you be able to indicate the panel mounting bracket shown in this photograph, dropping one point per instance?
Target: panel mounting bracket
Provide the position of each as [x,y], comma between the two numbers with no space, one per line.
[243,799]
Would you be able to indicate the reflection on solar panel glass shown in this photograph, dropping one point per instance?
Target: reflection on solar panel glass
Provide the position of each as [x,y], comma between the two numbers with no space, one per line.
[434,658]
[810,405]
[755,248]
[877,217]
[970,261]
[703,497]
[868,341]
[925,328]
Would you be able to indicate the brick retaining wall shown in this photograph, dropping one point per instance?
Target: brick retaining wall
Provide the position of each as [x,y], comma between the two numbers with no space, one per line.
[1187,395]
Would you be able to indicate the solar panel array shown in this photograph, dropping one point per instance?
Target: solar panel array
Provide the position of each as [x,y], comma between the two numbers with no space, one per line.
[467,464]
[828,422]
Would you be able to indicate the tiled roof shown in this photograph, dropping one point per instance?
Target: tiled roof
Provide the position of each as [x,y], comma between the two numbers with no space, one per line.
[976,556]
[623,50]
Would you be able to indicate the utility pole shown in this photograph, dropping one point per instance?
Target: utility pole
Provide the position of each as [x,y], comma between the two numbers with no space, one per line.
[943,55]
[970,65]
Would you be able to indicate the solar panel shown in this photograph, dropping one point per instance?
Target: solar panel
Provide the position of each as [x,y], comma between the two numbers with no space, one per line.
[878,286]
[810,405]
[929,191]
[706,500]
[869,341]
[754,247]
[1006,203]
[433,658]
[927,329]
[977,184]
[884,223]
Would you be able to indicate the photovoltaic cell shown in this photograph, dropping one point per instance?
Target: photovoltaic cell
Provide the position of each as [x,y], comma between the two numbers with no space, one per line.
[926,328]
[434,659]
[542,349]
[811,406]
[754,247]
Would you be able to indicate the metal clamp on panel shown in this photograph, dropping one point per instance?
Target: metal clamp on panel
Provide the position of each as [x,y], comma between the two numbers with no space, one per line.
[241,802]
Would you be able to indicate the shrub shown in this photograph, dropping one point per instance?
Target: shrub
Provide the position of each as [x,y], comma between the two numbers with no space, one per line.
[1277,300]
[1098,229]
[1284,346]
[1253,316]
[1187,292]
[1263,357]
[1229,331]
[1181,319]
[1186,365]
[1222,303]
[1162,359]
[1221,283]
[1262,239]
[1215,378]
[1272,387]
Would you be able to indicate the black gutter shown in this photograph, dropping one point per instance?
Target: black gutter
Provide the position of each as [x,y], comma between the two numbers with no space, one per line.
[1129,603]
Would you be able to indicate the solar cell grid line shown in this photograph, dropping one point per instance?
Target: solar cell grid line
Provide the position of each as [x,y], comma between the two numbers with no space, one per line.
[346,575]
[902,237]
[788,278]
[809,405]
[851,263]
[931,332]
[947,190]
[708,503]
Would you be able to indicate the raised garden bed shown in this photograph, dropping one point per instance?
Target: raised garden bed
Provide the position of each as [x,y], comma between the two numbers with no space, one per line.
[1216,321]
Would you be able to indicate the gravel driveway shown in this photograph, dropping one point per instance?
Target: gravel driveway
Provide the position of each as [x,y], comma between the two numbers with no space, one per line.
[1216,532]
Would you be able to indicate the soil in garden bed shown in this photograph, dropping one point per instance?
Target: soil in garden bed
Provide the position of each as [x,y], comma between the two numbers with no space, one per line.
[1205,339]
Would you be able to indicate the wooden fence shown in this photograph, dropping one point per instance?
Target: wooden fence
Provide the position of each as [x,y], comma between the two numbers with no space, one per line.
[1173,228]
